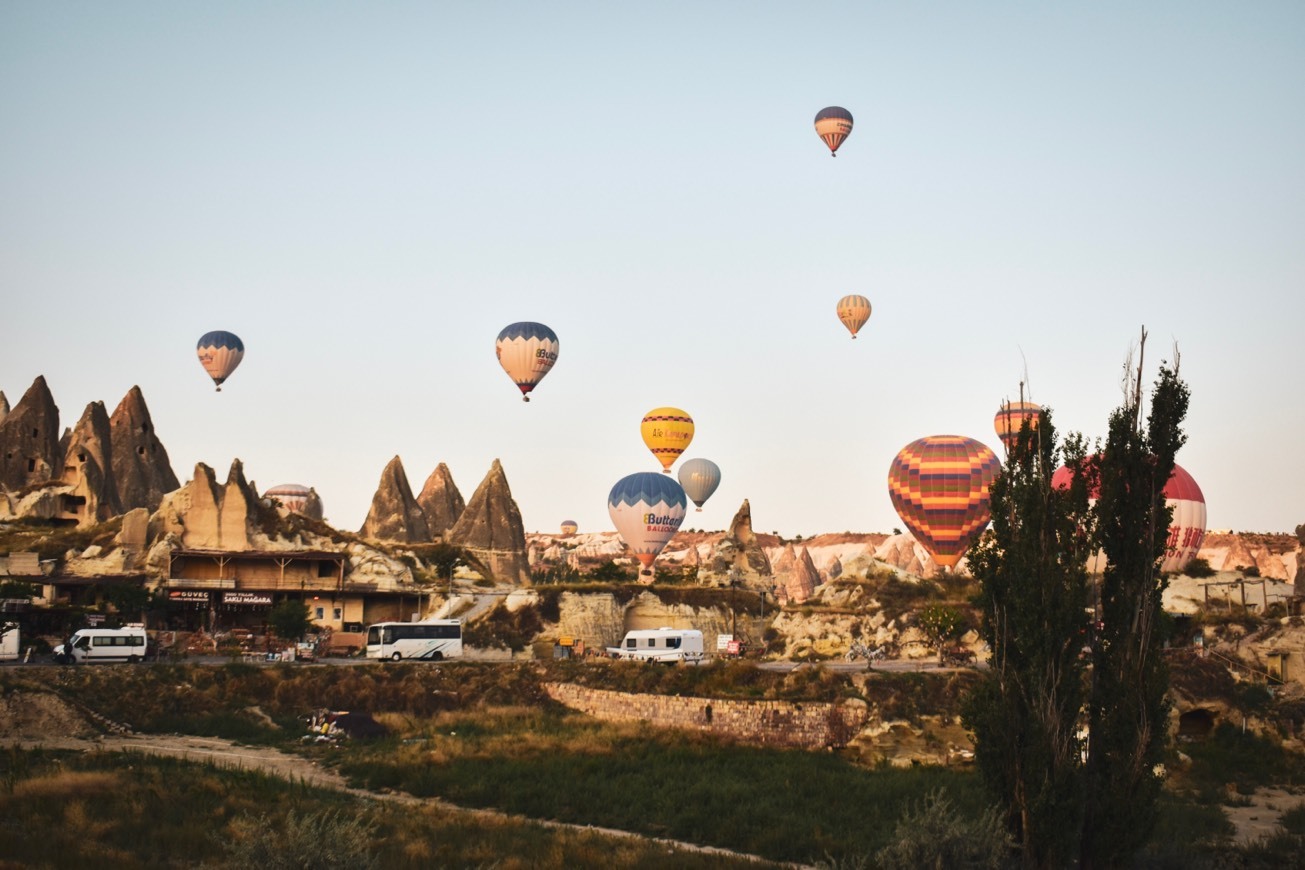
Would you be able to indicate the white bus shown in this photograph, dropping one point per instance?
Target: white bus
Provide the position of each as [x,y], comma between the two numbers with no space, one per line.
[102,645]
[432,641]
[660,645]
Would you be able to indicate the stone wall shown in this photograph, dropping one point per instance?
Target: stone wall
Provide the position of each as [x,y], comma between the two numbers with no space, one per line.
[811,725]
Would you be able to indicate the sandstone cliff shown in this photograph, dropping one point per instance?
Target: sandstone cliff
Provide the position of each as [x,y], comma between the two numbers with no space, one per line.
[490,528]
[142,471]
[739,555]
[88,466]
[441,501]
[395,514]
[29,439]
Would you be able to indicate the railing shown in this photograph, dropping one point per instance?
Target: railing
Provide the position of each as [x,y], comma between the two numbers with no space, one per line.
[1239,665]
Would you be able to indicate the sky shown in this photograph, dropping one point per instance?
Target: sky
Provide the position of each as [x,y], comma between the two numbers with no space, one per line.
[366,193]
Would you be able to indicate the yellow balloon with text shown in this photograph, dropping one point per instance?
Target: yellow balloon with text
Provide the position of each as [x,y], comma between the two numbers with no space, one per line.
[667,432]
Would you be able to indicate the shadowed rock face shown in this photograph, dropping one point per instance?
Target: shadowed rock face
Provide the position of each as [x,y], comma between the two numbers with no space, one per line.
[395,514]
[141,468]
[312,505]
[1300,561]
[87,465]
[440,501]
[492,530]
[29,439]
[4,406]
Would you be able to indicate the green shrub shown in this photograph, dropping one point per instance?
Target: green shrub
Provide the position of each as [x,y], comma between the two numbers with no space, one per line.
[324,840]
[936,834]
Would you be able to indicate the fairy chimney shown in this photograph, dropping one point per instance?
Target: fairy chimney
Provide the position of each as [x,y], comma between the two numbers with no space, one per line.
[491,529]
[395,514]
[141,468]
[440,501]
[29,439]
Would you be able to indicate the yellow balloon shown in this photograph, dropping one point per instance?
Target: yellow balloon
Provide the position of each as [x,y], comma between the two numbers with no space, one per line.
[667,432]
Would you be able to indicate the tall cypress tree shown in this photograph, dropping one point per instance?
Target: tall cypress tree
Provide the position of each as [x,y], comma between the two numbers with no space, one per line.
[1025,715]
[1127,707]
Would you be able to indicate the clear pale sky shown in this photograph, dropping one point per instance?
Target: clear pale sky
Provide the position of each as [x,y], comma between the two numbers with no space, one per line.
[367,193]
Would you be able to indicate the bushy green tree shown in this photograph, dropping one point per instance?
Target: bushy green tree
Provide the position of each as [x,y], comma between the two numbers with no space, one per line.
[941,624]
[936,835]
[290,619]
[1031,567]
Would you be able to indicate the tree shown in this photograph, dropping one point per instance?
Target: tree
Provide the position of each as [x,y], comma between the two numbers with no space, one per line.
[289,620]
[1127,707]
[128,600]
[1027,712]
[610,572]
[941,624]
[1031,567]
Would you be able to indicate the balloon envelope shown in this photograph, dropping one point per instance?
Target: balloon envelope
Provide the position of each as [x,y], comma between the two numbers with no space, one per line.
[833,124]
[854,311]
[667,432]
[699,477]
[527,352]
[569,528]
[1186,529]
[1010,417]
[647,509]
[219,353]
[939,486]
[293,496]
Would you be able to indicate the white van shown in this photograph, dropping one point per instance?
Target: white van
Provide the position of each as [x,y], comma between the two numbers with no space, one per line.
[102,645]
[660,645]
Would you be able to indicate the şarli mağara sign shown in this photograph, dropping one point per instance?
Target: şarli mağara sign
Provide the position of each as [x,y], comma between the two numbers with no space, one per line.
[256,599]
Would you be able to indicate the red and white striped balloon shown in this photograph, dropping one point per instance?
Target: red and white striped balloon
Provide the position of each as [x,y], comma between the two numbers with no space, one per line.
[1186,530]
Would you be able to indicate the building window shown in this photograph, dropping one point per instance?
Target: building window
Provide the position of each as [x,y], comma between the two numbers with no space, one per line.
[338,613]
[321,612]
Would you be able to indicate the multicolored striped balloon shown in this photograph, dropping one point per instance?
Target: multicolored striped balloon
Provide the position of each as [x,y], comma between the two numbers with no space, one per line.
[1010,417]
[667,432]
[647,509]
[219,353]
[854,311]
[1186,530]
[939,486]
[833,125]
[527,352]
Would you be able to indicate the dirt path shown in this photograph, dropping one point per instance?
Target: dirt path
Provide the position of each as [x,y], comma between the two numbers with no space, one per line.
[293,767]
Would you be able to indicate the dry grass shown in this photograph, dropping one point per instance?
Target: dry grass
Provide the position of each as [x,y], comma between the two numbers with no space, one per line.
[67,785]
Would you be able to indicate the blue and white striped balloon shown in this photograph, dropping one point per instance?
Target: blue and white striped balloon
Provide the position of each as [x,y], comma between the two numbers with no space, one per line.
[647,509]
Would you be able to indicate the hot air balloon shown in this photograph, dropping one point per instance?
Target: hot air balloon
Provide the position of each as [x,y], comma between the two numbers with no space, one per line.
[699,477]
[526,351]
[939,486]
[569,528]
[854,311]
[667,432]
[219,353]
[833,124]
[1186,530]
[292,496]
[1010,417]
[647,509]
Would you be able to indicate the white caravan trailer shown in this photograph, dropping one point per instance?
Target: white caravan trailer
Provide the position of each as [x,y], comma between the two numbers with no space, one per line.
[660,645]
[102,645]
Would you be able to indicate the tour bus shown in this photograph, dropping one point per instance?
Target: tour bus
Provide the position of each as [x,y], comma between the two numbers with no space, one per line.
[660,645]
[103,645]
[432,641]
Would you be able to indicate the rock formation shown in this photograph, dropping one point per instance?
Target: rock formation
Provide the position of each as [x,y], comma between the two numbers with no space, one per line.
[88,467]
[395,514]
[440,501]
[204,516]
[4,406]
[740,554]
[29,439]
[1300,561]
[141,468]
[833,568]
[491,529]
[312,507]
